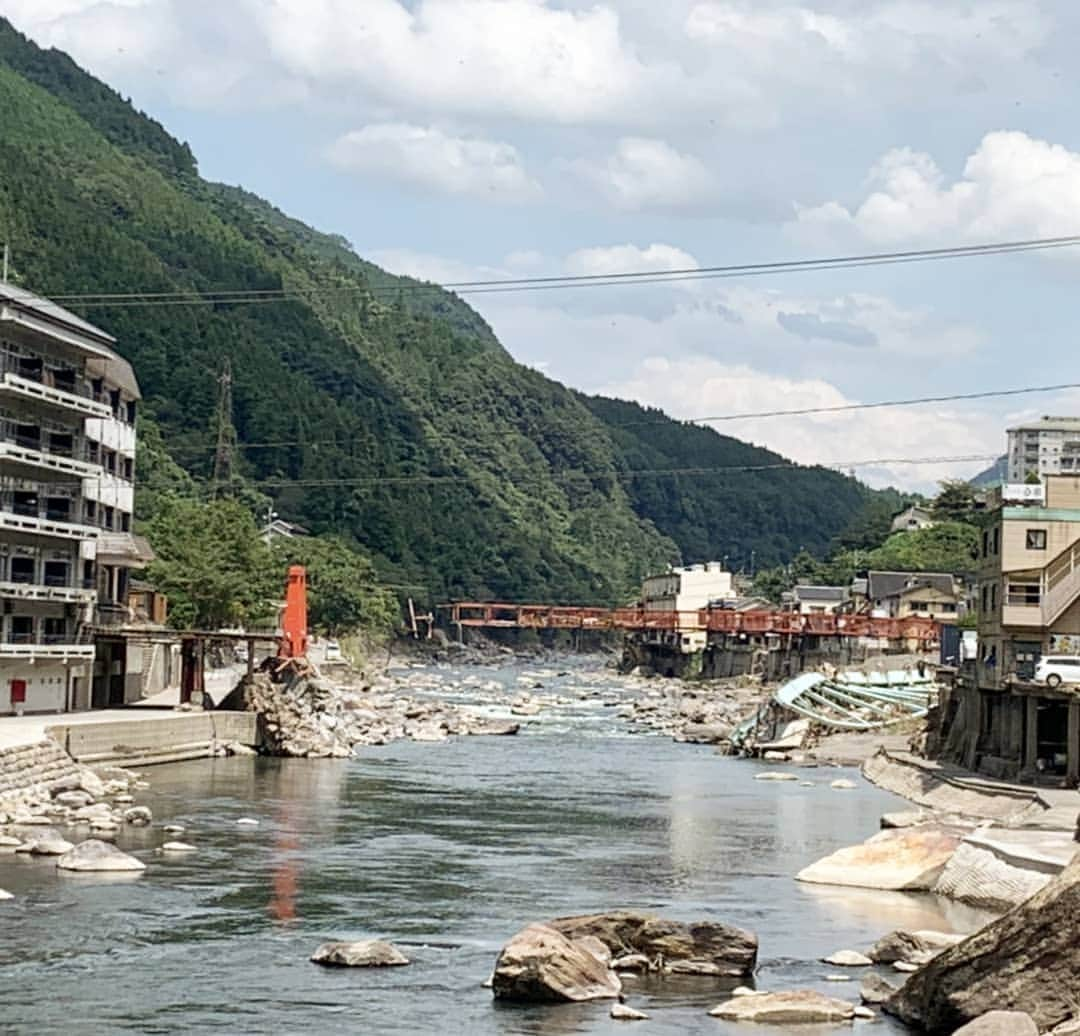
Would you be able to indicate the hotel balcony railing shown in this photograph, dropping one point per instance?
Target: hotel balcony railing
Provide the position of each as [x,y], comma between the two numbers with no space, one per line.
[28,452]
[61,396]
[35,526]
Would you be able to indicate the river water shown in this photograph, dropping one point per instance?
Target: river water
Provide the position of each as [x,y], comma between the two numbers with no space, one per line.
[446,849]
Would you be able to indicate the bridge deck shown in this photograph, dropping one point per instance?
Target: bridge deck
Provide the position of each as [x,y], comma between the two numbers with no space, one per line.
[487,615]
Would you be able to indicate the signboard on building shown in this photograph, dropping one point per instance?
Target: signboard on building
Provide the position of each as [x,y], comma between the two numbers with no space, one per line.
[1023,493]
[1065,643]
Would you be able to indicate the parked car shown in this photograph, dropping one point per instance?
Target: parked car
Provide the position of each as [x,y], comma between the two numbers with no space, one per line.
[333,652]
[1058,669]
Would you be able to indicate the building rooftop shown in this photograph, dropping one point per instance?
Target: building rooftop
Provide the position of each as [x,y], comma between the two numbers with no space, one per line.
[104,362]
[888,584]
[822,593]
[51,311]
[1049,423]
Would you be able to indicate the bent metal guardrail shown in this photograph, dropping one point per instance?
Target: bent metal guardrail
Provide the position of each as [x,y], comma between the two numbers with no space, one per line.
[488,615]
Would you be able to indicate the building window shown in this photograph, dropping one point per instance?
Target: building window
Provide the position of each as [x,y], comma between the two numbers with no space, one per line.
[997,540]
[986,543]
[993,597]
[1036,539]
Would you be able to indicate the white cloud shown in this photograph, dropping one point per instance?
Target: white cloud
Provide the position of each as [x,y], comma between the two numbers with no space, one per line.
[428,158]
[522,58]
[698,386]
[627,259]
[642,173]
[1013,186]
[638,66]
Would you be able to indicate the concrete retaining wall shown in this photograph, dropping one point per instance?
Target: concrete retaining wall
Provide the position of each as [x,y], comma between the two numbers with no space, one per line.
[29,766]
[172,737]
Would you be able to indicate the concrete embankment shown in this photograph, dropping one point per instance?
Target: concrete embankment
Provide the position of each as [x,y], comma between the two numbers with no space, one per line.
[1018,838]
[164,738]
[43,764]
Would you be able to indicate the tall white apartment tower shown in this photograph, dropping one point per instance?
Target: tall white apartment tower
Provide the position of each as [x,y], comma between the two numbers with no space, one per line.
[67,468]
[1048,446]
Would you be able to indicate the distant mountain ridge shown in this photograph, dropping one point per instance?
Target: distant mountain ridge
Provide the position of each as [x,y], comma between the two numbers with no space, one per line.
[994,475]
[367,404]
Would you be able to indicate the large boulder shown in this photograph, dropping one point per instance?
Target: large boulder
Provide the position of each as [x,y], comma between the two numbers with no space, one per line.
[695,947]
[909,859]
[367,953]
[913,947]
[95,855]
[875,989]
[1000,1023]
[798,1007]
[541,965]
[1026,960]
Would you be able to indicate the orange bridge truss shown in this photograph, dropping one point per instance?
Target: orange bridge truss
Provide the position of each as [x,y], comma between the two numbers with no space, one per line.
[713,620]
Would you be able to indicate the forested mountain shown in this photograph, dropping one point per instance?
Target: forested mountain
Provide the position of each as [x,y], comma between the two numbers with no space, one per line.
[365,405]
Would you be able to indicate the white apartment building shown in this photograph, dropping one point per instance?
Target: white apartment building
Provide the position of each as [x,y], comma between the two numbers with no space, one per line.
[67,468]
[1048,446]
[687,589]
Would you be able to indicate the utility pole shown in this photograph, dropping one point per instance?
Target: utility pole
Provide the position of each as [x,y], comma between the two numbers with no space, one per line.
[271,514]
[222,482]
[7,256]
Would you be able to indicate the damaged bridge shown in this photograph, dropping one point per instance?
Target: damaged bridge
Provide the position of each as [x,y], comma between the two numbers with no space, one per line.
[712,642]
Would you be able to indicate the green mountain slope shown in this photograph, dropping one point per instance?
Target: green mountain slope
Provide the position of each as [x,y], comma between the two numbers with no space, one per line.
[752,508]
[366,405]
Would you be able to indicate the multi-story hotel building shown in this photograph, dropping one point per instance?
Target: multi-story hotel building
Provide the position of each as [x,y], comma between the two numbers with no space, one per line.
[67,459]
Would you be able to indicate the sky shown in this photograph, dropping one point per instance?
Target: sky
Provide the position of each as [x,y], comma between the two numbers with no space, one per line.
[464,139]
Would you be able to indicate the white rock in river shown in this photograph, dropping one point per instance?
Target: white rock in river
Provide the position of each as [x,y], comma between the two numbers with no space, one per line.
[46,845]
[622,1013]
[848,959]
[95,855]
[367,953]
[9,843]
[139,816]
[4,894]
[796,1007]
[843,784]
[174,829]
[178,847]
[247,822]
[775,775]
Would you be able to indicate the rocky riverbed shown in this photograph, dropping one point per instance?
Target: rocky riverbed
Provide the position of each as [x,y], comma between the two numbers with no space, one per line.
[591,806]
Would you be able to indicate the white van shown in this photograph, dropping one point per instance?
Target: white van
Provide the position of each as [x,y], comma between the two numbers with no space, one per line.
[1058,669]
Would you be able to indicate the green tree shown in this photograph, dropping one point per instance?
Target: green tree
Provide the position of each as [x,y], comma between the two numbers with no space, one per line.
[212,564]
[948,547]
[955,501]
[343,592]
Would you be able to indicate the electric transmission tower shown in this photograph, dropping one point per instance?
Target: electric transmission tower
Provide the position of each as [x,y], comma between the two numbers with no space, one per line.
[224,453]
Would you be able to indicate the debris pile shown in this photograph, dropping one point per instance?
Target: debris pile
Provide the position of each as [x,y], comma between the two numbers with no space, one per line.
[308,717]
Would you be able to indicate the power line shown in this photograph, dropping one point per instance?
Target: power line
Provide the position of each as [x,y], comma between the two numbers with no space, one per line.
[388,480]
[918,401]
[742,416]
[477,287]
[615,474]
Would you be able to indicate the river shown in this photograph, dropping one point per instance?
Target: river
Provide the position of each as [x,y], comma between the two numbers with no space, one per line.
[446,849]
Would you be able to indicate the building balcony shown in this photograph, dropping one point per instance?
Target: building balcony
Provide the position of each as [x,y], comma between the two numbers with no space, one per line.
[43,592]
[46,652]
[28,460]
[32,526]
[1022,616]
[49,398]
